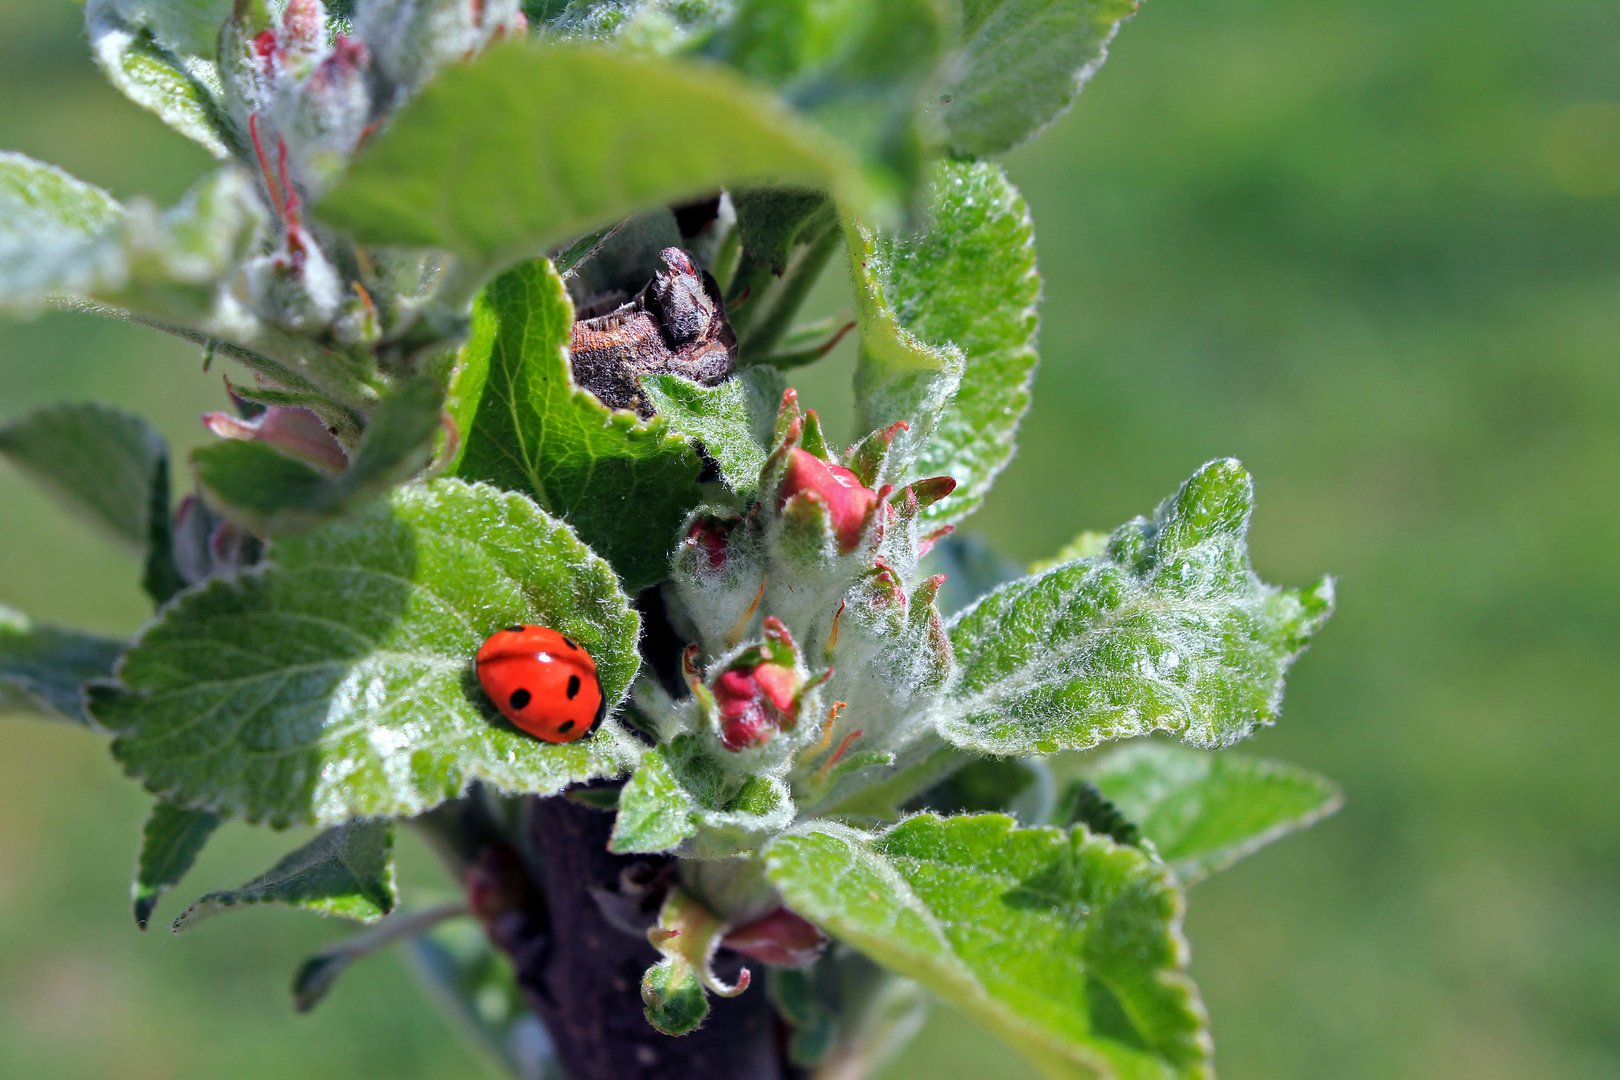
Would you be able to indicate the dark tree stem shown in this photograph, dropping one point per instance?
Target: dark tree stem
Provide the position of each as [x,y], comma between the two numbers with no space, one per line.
[584,979]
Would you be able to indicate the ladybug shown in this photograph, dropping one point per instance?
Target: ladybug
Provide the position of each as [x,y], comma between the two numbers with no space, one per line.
[542,682]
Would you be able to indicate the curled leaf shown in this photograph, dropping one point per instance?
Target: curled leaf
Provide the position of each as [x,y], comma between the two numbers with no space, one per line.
[674,989]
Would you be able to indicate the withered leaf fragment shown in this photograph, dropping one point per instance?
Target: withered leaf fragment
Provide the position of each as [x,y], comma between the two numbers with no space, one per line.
[676,325]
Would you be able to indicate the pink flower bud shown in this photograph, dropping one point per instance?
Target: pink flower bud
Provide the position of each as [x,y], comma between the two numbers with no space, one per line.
[836,488]
[781,939]
[709,534]
[264,48]
[743,723]
[303,26]
[780,685]
[294,431]
[746,731]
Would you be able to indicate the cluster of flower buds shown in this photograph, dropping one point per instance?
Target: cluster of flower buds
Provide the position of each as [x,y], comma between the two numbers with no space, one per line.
[818,573]
[303,89]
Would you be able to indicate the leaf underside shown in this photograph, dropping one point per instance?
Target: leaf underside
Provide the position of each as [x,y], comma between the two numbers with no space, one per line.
[346,871]
[1203,811]
[530,145]
[44,669]
[1022,63]
[970,280]
[170,842]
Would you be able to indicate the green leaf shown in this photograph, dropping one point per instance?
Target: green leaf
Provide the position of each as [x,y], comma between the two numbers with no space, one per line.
[158,80]
[869,90]
[268,492]
[531,145]
[170,843]
[182,26]
[776,40]
[338,682]
[681,799]
[770,220]
[624,484]
[1065,944]
[100,462]
[111,468]
[898,377]
[655,812]
[1204,812]
[44,669]
[1168,631]
[733,422]
[1083,804]
[62,237]
[346,871]
[49,227]
[969,281]
[1021,65]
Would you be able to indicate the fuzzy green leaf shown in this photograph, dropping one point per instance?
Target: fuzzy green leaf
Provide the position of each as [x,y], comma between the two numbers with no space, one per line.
[655,812]
[49,227]
[182,26]
[771,219]
[346,871]
[99,461]
[531,145]
[44,669]
[1065,944]
[777,40]
[62,237]
[898,376]
[625,485]
[1021,65]
[1204,812]
[680,798]
[155,78]
[869,89]
[338,682]
[268,492]
[733,422]
[170,843]
[1170,630]
[109,467]
[969,281]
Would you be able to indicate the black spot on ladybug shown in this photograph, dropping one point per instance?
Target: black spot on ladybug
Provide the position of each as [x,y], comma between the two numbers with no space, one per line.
[571,645]
[565,726]
[573,687]
[520,697]
[514,629]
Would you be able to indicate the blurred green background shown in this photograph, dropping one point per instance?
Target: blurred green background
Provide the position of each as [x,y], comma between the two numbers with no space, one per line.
[1371,247]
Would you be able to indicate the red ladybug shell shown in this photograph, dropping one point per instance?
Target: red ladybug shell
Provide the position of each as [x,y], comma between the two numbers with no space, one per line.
[542,682]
